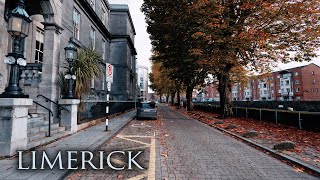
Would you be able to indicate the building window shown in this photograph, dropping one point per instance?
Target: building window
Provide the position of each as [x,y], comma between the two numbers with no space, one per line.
[312,72]
[312,90]
[296,73]
[316,90]
[297,81]
[92,37]
[76,24]
[287,83]
[278,76]
[92,83]
[92,4]
[297,90]
[103,14]
[103,49]
[103,82]
[39,46]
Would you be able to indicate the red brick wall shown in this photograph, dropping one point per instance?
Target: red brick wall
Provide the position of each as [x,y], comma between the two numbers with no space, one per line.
[308,85]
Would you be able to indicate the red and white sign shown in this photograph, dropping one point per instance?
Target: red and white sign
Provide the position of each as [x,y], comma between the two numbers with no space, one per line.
[109,73]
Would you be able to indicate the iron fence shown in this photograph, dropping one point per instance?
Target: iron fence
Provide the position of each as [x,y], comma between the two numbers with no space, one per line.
[301,119]
[94,109]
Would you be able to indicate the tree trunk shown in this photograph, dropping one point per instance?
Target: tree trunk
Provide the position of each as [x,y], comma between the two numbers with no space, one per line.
[178,97]
[172,98]
[160,94]
[167,99]
[189,98]
[225,90]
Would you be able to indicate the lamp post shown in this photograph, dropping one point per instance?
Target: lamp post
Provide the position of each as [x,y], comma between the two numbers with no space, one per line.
[71,55]
[18,28]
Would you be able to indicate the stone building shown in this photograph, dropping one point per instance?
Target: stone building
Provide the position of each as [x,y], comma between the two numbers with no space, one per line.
[107,28]
[143,82]
[122,53]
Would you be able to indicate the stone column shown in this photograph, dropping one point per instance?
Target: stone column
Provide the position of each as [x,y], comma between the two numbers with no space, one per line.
[13,125]
[70,119]
[50,68]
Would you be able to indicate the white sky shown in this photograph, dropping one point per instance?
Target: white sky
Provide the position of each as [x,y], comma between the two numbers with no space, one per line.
[143,43]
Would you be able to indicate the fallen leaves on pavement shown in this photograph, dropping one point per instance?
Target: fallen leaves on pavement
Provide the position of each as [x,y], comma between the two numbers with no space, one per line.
[307,144]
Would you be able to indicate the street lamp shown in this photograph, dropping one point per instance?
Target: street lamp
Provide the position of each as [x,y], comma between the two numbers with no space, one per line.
[18,28]
[71,55]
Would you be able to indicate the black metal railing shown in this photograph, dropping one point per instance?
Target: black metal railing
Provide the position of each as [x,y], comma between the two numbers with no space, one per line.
[95,109]
[57,104]
[50,114]
[301,119]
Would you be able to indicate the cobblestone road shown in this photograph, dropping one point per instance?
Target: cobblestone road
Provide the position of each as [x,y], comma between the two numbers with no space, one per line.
[192,150]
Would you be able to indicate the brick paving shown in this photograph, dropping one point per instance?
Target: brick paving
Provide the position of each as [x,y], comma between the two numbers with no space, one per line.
[136,136]
[188,149]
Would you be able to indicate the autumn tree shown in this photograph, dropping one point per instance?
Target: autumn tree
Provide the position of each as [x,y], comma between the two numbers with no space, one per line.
[170,25]
[253,34]
[161,82]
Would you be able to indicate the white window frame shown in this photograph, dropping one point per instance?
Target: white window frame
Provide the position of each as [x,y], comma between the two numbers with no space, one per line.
[92,83]
[76,20]
[103,49]
[103,13]
[93,37]
[93,4]
[40,39]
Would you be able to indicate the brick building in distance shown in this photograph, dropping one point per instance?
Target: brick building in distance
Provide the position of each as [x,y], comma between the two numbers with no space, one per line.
[295,84]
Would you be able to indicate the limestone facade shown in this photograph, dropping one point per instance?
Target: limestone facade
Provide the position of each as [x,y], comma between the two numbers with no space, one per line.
[108,28]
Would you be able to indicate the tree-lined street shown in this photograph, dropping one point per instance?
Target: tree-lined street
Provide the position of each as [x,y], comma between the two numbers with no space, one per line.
[178,147]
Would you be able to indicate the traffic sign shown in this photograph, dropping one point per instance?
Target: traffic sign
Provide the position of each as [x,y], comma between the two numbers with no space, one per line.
[109,73]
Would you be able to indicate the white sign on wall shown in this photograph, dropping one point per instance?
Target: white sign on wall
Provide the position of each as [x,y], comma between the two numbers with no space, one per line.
[109,73]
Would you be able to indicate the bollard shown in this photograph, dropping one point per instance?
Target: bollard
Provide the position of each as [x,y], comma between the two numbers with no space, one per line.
[260,113]
[276,114]
[300,126]
[246,112]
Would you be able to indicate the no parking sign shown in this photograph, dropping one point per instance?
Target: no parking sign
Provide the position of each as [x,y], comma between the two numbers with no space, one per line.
[109,73]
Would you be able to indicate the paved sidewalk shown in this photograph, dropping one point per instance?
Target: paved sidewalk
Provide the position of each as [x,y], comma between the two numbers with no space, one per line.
[89,139]
[188,149]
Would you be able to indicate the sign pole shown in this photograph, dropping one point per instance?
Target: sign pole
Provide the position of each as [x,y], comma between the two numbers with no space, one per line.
[107,109]
[109,79]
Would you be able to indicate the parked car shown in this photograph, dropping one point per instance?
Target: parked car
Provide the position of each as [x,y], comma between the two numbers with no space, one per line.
[147,110]
[210,100]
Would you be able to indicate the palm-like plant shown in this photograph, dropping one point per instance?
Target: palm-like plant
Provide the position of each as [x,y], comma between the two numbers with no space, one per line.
[85,68]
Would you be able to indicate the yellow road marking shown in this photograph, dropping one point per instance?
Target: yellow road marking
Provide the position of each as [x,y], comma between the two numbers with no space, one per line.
[136,148]
[138,177]
[122,137]
[138,136]
[152,160]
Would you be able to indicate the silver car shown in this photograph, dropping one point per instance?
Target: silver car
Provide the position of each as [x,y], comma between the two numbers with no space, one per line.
[147,110]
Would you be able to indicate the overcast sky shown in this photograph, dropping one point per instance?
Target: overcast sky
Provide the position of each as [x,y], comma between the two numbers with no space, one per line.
[142,41]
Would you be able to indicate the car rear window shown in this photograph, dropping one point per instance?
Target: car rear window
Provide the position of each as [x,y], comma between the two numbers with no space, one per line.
[147,105]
